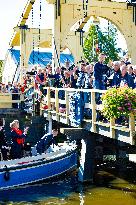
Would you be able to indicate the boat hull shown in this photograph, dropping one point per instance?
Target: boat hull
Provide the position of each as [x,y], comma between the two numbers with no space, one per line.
[26,174]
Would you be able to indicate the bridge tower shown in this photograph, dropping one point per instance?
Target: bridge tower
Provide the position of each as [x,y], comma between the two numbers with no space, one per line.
[70,16]
[69,12]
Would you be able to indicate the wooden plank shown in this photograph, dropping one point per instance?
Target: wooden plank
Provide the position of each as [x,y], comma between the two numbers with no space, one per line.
[93,111]
[102,124]
[122,128]
[132,128]
[56,101]
[67,106]
[57,105]
[112,130]
[48,98]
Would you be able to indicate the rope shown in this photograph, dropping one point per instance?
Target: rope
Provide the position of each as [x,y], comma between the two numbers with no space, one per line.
[56,53]
[15,73]
[39,38]
[85,7]
[132,3]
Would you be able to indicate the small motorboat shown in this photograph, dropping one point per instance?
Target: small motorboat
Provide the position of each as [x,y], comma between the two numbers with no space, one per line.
[32,169]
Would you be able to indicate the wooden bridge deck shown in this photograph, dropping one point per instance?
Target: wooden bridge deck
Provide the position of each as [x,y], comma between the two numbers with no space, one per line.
[109,129]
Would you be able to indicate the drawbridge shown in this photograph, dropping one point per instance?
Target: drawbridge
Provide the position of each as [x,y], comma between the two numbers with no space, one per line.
[69,17]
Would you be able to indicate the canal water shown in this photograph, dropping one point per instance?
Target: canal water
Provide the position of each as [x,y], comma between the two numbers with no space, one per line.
[108,189]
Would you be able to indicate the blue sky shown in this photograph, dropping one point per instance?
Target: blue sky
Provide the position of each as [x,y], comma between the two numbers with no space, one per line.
[10,11]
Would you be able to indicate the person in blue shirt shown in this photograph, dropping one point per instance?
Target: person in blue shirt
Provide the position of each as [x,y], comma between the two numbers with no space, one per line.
[81,76]
[115,77]
[126,79]
[99,70]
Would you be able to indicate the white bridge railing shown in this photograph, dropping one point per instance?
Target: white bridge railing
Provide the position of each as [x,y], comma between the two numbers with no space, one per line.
[8,99]
[52,110]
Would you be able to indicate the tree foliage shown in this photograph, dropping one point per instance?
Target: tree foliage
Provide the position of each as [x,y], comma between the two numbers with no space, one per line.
[98,41]
[1,63]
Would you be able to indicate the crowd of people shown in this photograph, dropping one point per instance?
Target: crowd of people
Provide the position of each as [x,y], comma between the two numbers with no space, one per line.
[86,75]
[83,75]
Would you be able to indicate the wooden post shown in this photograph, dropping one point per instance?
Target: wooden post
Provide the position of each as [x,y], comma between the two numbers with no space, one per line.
[86,168]
[48,98]
[50,124]
[34,96]
[67,106]
[132,128]
[112,129]
[41,109]
[93,103]
[57,104]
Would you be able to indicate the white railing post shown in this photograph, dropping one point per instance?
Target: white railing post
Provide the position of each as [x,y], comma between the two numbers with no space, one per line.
[57,104]
[67,105]
[93,103]
[48,98]
[112,128]
[132,128]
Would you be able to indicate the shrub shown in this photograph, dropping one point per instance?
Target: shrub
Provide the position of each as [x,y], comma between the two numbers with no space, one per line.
[119,102]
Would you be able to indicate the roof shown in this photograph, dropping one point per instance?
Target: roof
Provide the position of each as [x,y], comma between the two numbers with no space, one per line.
[41,58]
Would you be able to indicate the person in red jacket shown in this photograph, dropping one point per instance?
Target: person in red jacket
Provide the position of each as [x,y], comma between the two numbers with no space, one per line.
[18,139]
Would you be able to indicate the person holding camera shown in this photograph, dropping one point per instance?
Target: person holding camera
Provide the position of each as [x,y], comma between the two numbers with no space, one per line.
[18,139]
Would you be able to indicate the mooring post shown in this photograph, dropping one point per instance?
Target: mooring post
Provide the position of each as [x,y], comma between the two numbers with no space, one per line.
[86,168]
[50,124]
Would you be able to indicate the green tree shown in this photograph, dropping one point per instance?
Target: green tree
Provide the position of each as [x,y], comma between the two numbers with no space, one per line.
[1,63]
[89,44]
[98,41]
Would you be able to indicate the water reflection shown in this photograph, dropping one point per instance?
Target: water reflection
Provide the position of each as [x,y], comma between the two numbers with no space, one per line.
[109,190]
[39,192]
[81,198]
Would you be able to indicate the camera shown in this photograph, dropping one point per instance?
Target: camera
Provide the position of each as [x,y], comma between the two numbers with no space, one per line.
[71,67]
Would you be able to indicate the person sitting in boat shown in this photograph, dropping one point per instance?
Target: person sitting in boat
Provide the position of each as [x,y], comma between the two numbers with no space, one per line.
[18,138]
[3,142]
[46,142]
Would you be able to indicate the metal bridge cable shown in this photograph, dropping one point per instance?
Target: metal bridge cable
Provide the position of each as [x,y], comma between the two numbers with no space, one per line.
[56,52]
[33,34]
[15,73]
[57,13]
[56,6]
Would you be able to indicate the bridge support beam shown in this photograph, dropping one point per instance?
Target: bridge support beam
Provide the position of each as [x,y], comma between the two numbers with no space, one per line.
[28,41]
[56,38]
[86,167]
